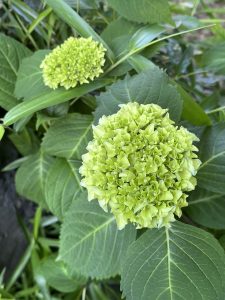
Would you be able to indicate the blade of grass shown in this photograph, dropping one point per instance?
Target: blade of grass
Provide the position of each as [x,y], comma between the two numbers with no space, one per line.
[215,110]
[20,267]
[27,292]
[28,14]
[37,221]
[27,33]
[40,18]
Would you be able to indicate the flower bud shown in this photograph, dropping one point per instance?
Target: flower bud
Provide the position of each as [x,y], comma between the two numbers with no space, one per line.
[76,61]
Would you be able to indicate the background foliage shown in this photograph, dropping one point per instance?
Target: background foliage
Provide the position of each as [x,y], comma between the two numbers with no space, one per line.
[165,52]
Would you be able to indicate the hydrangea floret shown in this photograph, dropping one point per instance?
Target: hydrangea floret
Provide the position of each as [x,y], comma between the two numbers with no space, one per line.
[140,165]
[76,61]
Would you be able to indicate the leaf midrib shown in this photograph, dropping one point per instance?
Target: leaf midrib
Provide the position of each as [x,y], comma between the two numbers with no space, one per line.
[204,199]
[80,140]
[93,232]
[169,262]
[211,159]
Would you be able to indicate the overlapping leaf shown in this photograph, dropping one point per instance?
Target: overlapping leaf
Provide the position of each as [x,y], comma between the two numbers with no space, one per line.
[68,136]
[25,141]
[212,153]
[214,60]
[207,208]
[90,242]
[30,177]
[57,275]
[29,82]
[62,186]
[182,262]
[11,55]
[151,86]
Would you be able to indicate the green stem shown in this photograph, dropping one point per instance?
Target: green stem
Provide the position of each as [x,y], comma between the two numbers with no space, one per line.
[215,110]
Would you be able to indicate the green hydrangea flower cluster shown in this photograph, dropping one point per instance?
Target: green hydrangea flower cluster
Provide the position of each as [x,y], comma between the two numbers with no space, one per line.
[77,60]
[140,165]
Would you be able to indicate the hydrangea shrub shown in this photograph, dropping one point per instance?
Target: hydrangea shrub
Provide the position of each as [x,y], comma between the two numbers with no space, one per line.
[76,61]
[139,168]
[140,165]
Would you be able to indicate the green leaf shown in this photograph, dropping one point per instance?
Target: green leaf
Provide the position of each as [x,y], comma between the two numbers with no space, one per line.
[68,136]
[141,63]
[11,54]
[124,36]
[71,17]
[26,142]
[29,82]
[214,59]
[62,186]
[211,173]
[31,177]
[207,208]
[144,36]
[192,111]
[55,97]
[90,242]
[15,164]
[182,262]
[2,131]
[119,28]
[142,11]
[151,86]
[82,4]
[58,276]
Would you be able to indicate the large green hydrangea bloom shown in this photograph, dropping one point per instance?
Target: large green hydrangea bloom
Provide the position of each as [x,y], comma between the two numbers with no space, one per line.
[77,60]
[140,165]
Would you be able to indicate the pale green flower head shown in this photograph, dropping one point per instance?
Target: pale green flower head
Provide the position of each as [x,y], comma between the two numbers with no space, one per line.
[76,61]
[140,166]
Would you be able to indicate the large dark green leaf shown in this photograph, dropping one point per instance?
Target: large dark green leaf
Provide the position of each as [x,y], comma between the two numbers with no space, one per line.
[151,86]
[182,262]
[211,174]
[31,176]
[119,28]
[58,96]
[142,11]
[192,111]
[11,55]
[29,82]
[90,242]
[207,208]
[68,136]
[62,186]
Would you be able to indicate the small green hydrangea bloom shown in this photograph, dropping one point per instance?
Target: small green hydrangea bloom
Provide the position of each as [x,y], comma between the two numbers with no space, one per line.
[77,60]
[140,165]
